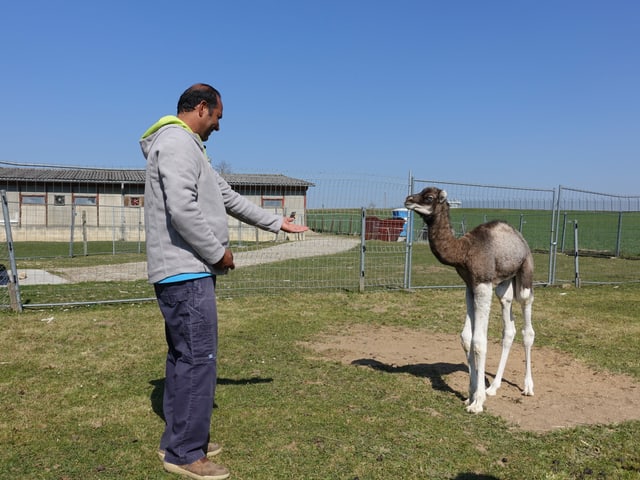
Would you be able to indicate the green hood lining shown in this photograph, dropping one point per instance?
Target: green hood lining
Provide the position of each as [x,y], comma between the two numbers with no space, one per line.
[166,120]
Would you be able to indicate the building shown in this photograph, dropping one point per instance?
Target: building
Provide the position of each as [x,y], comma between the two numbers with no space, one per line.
[106,204]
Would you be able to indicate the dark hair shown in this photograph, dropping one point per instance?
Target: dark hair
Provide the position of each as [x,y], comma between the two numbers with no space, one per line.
[195,94]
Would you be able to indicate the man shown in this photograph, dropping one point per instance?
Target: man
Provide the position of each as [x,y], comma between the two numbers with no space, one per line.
[186,207]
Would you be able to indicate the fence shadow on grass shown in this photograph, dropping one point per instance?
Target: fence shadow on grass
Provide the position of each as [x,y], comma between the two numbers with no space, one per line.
[433,371]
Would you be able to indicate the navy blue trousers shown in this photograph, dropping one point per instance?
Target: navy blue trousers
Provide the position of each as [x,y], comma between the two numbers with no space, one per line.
[191,329]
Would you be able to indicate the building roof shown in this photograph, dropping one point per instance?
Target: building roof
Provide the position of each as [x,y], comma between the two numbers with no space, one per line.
[71,175]
[256,179]
[107,175]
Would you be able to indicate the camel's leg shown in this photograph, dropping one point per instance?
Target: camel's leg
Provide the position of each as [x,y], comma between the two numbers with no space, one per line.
[504,291]
[465,338]
[525,297]
[480,323]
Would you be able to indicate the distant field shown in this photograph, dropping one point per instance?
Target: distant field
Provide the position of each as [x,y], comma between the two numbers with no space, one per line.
[598,231]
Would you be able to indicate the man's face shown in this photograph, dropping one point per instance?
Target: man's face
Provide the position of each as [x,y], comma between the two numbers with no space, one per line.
[211,121]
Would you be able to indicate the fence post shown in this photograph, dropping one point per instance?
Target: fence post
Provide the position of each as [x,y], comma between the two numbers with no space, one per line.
[363,247]
[576,257]
[619,236]
[84,233]
[113,230]
[564,228]
[408,248]
[553,242]
[73,226]
[13,286]
[139,230]
[123,223]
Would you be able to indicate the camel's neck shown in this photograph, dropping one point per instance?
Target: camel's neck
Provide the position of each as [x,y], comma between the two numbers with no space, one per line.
[444,245]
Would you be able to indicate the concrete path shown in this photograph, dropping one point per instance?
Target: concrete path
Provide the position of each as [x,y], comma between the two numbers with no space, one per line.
[313,245]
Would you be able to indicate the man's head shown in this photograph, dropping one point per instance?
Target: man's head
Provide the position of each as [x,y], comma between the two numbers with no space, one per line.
[200,107]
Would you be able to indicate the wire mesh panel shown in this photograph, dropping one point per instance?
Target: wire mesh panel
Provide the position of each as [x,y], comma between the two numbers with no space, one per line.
[606,229]
[330,255]
[9,285]
[315,261]
[336,204]
[5,266]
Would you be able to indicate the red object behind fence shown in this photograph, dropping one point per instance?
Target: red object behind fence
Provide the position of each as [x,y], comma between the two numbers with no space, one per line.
[387,230]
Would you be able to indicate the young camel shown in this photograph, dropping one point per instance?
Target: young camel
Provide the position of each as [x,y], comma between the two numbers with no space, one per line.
[491,255]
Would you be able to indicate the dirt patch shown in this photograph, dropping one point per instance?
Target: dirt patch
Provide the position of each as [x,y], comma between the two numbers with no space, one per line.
[567,392]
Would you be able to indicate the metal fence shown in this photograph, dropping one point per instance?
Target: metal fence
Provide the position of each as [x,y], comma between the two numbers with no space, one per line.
[601,232]
[361,238]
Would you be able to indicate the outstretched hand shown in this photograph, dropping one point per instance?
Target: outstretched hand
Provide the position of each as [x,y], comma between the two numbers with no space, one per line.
[290,227]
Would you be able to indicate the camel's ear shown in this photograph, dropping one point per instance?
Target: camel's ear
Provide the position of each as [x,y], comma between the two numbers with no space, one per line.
[443,196]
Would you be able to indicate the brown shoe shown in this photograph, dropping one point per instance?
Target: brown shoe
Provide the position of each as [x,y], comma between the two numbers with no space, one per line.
[203,469]
[213,449]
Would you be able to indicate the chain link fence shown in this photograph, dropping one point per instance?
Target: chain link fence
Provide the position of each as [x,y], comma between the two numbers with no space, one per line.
[600,232]
[360,238]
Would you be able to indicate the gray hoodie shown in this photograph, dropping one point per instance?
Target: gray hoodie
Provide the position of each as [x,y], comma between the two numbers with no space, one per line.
[186,204]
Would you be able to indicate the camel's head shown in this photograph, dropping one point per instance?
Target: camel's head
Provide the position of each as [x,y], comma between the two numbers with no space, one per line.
[426,202]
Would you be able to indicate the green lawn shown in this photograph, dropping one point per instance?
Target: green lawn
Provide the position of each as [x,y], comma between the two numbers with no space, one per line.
[80,392]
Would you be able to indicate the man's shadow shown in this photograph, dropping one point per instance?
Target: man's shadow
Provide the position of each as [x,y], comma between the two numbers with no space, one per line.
[474,476]
[157,393]
[434,372]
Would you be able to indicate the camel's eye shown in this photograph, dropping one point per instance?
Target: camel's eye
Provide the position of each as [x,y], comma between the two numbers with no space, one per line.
[430,198]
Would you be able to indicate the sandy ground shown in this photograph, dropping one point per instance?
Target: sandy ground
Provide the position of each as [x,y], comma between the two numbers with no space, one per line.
[567,392]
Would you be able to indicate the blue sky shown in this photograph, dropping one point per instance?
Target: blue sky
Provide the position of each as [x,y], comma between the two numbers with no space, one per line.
[519,93]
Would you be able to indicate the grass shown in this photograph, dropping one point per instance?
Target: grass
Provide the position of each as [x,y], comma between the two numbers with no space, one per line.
[80,392]
[43,253]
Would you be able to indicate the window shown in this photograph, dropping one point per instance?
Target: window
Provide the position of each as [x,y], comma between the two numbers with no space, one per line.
[133,201]
[90,201]
[33,199]
[273,202]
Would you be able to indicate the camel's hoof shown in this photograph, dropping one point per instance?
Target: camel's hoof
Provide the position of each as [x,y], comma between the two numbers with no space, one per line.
[475,407]
[528,389]
[491,391]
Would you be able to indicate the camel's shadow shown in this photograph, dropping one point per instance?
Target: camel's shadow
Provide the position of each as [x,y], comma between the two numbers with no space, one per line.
[434,372]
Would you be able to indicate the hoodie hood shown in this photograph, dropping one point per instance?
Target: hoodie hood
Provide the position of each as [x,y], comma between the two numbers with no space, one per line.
[166,120]
[169,121]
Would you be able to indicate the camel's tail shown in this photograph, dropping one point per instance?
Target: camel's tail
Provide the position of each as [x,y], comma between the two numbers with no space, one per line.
[524,281]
